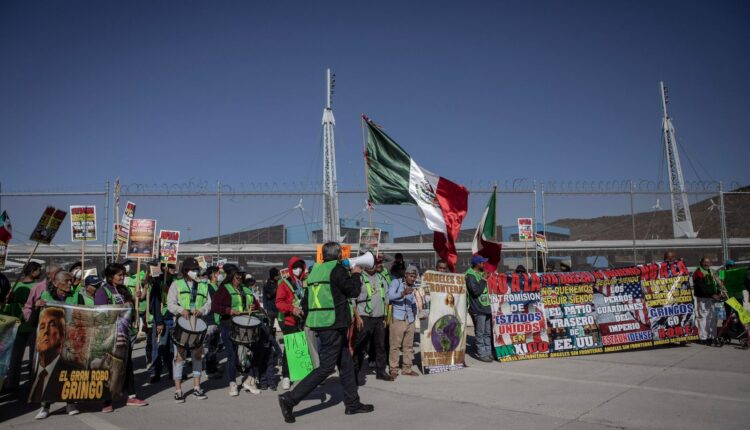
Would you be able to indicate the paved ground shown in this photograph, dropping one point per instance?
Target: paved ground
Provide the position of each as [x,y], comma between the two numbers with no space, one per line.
[690,387]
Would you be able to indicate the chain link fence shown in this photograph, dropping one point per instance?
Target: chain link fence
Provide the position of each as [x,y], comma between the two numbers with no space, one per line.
[587,224]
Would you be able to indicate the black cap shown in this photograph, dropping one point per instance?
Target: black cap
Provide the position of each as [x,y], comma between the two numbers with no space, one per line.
[190,263]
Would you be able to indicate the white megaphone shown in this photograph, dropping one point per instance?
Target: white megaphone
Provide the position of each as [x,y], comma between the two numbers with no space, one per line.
[365,261]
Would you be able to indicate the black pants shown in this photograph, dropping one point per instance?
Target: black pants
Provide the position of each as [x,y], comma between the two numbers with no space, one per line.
[371,339]
[284,365]
[334,351]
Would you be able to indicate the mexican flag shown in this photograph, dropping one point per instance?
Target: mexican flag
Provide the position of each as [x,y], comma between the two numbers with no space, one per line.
[483,244]
[6,230]
[394,178]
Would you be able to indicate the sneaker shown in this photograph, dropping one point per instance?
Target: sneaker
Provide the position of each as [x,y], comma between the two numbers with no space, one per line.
[199,394]
[233,391]
[285,383]
[179,397]
[107,409]
[42,414]
[249,385]
[135,401]
[71,409]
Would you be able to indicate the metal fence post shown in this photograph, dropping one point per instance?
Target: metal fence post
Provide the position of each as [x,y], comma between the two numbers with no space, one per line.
[218,221]
[632,221]
[536,249]
[106,224]
[722,216]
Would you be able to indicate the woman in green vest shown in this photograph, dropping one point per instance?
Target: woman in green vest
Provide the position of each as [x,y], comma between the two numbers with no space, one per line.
[231,300]
[62,291]
[14,303]
[214,277]
[188,298]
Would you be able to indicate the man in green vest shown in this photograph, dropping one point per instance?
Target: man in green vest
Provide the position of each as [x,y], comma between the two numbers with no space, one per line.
[330,287]
[369,318]
[188,298]
[479,308]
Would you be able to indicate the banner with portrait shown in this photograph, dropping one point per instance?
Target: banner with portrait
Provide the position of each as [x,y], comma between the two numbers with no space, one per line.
[81,353]
[443,344]
[8,330]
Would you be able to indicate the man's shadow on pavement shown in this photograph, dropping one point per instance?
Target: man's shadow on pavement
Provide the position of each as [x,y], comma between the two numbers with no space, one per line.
[332,388]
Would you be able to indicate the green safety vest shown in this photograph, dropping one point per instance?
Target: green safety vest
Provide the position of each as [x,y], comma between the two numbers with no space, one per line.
[387,275]
[484,298]
[132,282]
[185,294]
[69,299]
[14,307]
[214,289]
[320,307]
[79,297]
[295,302]
[237,299]
[366,281]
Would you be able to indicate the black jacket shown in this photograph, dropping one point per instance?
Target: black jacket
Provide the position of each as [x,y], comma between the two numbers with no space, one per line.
[344,286]
[269,295]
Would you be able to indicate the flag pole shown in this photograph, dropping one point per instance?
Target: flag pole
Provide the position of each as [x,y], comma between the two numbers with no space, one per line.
[494,225]
[367,185]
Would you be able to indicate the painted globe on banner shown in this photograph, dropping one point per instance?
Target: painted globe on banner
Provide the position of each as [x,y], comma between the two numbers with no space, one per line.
[446,333]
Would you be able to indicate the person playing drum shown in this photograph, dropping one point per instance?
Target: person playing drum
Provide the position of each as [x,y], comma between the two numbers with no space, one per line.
[188,299]
[229,301]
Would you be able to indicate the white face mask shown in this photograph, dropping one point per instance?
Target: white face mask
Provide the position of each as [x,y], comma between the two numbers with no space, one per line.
[221,277]
[297,271]
[193,274]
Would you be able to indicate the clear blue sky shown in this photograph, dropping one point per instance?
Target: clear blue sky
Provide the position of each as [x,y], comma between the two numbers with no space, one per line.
[162,92]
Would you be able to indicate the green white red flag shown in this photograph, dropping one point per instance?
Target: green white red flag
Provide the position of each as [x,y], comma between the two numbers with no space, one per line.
[483,243]
[394,178]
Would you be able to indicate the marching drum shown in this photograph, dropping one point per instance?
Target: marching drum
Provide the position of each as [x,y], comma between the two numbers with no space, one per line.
[184,336]
[244,329]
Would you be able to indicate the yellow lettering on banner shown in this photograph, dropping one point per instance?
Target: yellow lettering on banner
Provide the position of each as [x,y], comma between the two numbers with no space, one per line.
[63,376]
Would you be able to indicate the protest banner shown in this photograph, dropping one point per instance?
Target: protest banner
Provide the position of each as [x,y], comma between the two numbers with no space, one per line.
[87,350]
[48,225]
[202,261]
[169,242]
[123,230]
[669,298]
[284,273]
[444,342]
[734,281]
[519,329]
[297,355]
[570,313]
[346,252]
[369,240]
[8,329]
[3,254]
[141,238]
[83,223]
[621,309]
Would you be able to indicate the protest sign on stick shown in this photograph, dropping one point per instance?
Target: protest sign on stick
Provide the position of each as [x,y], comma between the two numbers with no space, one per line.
[369,240]
[141,240]
[169,242]
[123,230]
[83,227]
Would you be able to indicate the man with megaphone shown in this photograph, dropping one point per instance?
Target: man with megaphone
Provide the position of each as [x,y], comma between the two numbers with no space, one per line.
[330,287]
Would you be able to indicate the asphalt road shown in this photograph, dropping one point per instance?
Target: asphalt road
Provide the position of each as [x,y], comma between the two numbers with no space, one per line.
[676,387]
